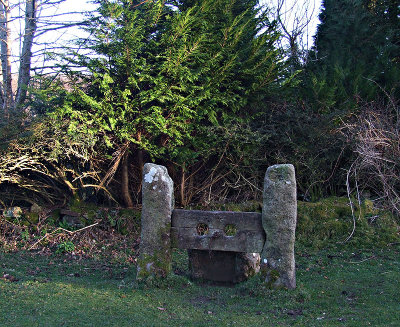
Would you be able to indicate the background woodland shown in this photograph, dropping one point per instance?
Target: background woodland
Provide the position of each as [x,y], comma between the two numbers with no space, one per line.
[216,90]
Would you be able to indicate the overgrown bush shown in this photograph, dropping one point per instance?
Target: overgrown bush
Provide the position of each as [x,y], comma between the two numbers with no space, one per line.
[310,141]
[375,137]
[47,164]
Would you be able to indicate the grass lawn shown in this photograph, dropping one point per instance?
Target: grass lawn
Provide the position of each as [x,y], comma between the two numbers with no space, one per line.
[335,288]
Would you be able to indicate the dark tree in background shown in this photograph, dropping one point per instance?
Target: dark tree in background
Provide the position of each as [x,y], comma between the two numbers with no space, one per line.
[356,52]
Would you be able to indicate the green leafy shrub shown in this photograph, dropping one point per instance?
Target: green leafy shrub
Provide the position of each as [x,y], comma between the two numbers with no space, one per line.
[65,247]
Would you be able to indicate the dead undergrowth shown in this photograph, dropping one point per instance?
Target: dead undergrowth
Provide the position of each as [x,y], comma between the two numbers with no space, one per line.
[113,234]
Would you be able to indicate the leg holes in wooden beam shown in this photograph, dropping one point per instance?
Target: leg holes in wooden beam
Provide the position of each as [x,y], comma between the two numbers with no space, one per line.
[230,230]
[202,229]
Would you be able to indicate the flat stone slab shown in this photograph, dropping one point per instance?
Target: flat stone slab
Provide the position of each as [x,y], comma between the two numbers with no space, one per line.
[250,221]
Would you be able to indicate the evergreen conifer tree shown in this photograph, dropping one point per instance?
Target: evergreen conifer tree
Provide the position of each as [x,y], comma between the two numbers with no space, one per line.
[355,53]
[161,72]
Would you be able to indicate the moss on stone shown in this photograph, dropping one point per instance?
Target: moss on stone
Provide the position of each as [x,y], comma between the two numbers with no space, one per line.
[273,275]
[159,260]
[246,206]
[87,210]
[151,266]
[270,277]
[251,272]
[279,172]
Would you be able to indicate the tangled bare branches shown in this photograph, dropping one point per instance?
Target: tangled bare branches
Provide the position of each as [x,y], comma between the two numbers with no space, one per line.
[376,137]
[47,167]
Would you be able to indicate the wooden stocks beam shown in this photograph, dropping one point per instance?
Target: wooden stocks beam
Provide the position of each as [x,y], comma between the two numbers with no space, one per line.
[207,230]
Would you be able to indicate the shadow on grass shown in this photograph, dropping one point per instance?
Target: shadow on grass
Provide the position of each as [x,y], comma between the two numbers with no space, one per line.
[335,288]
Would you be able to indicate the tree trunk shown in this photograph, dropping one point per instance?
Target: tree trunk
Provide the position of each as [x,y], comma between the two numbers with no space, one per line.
[182,187]
[5,50]
[140,165]
[189,189]
[26,55]
[125,181]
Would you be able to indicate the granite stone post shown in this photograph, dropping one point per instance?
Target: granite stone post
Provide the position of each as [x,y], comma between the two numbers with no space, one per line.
[279,216]
[157,205]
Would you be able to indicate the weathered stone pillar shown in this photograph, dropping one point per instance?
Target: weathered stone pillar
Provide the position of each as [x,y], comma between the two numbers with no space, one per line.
[279,215]
[157,206]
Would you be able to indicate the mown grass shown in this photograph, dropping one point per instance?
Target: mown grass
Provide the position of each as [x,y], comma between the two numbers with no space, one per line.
[94,284]
[335,288]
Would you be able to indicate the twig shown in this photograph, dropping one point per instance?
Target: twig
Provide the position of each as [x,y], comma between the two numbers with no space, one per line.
[373,218]
[63,229]
[258,189]
[373,257]
[45,235]
[351,203]
[140,3]
[326,180]
[78,230]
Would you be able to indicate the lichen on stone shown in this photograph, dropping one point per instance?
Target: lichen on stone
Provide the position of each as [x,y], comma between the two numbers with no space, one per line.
[148,178]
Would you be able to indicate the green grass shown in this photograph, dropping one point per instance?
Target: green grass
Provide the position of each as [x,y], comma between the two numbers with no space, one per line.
[337,285]
[335,288]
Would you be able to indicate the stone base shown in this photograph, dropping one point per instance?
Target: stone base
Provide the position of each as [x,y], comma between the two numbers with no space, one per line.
[223,266]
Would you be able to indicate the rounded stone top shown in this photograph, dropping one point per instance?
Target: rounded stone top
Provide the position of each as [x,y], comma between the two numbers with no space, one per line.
[281,173]
[150,171]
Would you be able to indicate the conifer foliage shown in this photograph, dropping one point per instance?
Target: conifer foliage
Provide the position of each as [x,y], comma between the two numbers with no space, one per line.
[162,75]
[356,51]
[161,69]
